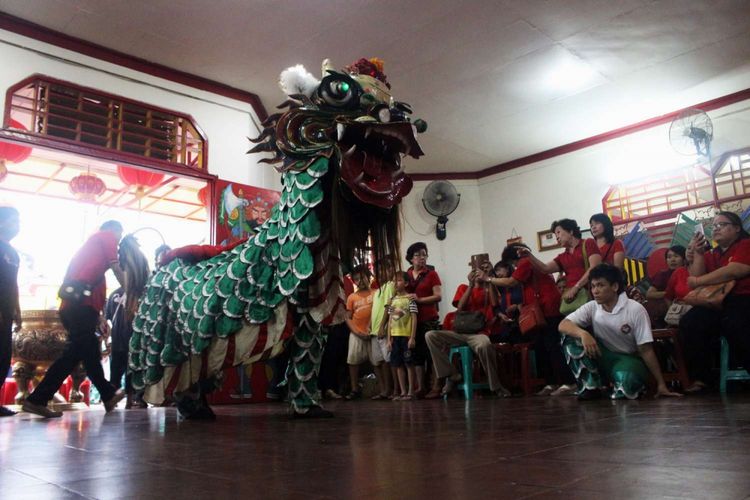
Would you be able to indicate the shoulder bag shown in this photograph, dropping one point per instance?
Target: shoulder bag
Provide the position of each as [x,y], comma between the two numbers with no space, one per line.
[532,317]
[711,296]
[675,313]
[471,322]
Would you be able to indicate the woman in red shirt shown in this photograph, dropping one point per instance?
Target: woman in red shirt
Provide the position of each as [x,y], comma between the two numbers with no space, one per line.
[540,287]
[611,249]
[730,260]
[675,258]
[571,261]
[425,288]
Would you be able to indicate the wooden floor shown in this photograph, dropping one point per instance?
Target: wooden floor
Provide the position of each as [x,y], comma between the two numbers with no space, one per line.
[533,447]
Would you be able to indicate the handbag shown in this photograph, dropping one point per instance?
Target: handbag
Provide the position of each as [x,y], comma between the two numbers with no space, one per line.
[74,291]
[581,298]
[469,322]
[583,294]
[710,296]
[532,318]
[675,313]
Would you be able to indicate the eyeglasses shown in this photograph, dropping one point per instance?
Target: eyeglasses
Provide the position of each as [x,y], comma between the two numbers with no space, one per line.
[420,254]
[721,225]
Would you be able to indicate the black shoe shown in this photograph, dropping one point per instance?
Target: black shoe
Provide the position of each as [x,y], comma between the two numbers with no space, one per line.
[313,412]
[353,395]
[6,412]
[590,395]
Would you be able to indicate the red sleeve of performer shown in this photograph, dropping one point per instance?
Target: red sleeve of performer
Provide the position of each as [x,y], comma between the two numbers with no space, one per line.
[197,253]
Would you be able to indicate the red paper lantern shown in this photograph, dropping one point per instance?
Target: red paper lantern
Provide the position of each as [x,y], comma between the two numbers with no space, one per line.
[13,153]
[87,187]
[203,195]
[141,179]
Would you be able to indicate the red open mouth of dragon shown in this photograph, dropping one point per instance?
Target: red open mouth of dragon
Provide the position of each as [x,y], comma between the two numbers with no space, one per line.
[371,160]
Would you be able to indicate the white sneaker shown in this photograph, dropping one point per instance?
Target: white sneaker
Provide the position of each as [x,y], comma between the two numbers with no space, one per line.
[564,390]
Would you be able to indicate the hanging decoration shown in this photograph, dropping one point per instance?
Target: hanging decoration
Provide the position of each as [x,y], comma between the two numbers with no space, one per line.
[87,187]
[13,153]
[139,178]
[203,196]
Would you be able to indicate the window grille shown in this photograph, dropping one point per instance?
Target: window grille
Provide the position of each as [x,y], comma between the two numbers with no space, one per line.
[62,111]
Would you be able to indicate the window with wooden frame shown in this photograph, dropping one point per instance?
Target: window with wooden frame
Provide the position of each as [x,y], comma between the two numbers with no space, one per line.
[65,112]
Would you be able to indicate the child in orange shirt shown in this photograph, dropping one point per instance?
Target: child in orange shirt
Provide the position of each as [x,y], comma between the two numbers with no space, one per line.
[358,312]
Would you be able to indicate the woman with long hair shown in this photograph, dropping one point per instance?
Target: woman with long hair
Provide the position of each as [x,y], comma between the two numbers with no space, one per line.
[729,260]
[612,250]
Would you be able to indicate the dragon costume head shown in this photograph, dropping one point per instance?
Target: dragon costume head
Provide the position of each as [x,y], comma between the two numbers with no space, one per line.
[351,120]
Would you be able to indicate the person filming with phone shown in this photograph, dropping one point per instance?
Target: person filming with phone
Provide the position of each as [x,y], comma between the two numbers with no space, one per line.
[475,302]
[727,264]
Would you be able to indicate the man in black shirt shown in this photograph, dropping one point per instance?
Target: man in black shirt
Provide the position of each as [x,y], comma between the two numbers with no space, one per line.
[10,310]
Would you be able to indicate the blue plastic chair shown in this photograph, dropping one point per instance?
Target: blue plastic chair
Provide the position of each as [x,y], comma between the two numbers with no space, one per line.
[725,373]
[467,371]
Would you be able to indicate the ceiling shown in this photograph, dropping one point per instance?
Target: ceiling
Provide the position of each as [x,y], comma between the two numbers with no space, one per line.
[496,80]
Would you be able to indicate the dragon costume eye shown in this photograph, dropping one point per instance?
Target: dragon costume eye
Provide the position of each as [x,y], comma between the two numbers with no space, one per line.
[382,113]
[339,90]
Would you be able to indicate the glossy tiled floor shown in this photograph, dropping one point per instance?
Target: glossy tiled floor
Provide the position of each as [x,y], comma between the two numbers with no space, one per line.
[519,448]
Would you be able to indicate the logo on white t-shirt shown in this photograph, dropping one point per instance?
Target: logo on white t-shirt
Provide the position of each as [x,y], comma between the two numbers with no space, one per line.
[626,329]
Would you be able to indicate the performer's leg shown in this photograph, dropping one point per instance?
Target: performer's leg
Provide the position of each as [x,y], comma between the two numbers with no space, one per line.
[64,365]
[584,368]
[305,352]
[627,372]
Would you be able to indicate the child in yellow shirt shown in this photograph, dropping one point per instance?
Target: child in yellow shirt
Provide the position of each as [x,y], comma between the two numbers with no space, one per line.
[402,329]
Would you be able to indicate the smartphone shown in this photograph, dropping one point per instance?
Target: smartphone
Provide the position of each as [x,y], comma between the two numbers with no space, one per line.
[699,230]
[479,259]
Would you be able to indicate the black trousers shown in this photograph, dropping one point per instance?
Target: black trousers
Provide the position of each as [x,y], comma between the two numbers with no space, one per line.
[82,345]
[700,327]
[550,360]
[118,366]
[333,362]
[6,347]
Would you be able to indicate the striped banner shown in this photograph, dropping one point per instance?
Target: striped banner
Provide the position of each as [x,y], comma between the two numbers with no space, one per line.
[635,269]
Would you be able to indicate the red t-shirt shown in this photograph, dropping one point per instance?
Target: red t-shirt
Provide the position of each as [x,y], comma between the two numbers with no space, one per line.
[427,312]
[549,295]
[661,280]
[677,286]
[89,265]
[572,263]
[739,251]
[616,245]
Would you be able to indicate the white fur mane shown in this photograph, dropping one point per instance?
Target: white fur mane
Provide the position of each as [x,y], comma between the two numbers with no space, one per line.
[297,80]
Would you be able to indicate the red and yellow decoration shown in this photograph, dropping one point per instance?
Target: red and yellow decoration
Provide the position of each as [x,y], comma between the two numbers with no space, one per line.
[139,178]
[87,187]
[13,153]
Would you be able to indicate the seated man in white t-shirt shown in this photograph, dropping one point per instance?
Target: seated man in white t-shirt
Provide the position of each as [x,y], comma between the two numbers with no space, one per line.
[620,351]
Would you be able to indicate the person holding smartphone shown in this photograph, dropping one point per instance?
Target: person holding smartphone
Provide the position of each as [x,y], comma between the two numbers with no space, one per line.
[729,260]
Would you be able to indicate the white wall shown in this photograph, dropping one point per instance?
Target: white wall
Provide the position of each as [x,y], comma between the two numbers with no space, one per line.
[464,236]
[226,122]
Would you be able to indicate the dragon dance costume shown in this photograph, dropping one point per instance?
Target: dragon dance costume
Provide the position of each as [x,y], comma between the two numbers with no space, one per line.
[338,144]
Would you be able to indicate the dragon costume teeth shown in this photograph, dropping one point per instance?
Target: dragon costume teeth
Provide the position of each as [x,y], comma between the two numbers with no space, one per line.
[339,143]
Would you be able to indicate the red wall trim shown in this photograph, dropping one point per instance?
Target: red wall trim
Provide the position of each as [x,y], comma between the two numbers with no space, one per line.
[38,32]
[717,103]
